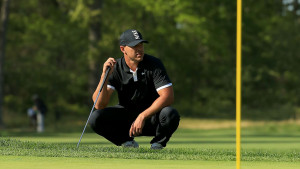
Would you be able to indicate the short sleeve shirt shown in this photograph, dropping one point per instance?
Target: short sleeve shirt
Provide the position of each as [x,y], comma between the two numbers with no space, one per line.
[138,90]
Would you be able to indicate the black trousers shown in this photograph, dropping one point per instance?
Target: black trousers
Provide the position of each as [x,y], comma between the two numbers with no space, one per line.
[113,123]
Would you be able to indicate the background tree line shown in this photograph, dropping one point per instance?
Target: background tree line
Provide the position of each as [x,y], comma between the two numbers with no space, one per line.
[56,48]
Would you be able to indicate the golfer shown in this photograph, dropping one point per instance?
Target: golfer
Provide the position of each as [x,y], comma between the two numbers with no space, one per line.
[145,94]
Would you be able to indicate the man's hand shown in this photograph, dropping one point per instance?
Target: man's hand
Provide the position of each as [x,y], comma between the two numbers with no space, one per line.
[109,63]
[137,126]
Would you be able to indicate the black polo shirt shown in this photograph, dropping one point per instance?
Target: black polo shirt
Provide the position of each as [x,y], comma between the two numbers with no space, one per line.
[138,90]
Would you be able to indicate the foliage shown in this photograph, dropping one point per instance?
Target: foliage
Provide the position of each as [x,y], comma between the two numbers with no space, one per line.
[45,56]
[270,54]
[48,53]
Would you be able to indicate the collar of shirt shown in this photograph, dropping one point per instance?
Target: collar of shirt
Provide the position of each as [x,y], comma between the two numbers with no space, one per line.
[126,67]
[134,74]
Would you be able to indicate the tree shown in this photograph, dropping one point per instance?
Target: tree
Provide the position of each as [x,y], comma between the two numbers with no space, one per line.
[94,39]
[4,20]
[57,47]
[89,13]
[270,60]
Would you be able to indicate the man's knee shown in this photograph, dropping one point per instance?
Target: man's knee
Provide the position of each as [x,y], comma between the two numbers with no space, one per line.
[95,119]
[170,115]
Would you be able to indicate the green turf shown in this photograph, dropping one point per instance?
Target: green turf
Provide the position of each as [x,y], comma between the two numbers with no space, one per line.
[261,147]
[21,162]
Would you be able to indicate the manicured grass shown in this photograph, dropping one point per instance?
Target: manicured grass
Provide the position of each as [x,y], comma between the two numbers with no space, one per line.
[21,162]
[216,145]
[263,147]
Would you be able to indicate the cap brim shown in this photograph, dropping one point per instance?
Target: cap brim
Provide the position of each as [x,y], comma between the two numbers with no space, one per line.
[134,43]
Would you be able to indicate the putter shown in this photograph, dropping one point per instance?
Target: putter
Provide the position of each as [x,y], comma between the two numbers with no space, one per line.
[105,77]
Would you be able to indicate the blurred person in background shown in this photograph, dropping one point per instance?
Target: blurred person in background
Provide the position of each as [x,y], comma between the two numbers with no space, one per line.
[41,109]
[32,117]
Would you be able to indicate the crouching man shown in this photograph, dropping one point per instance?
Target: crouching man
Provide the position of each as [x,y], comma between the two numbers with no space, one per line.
[145,94]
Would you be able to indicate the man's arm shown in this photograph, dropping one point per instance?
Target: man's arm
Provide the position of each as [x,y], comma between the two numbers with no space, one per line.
[166,98]
[106,92]
[104,96]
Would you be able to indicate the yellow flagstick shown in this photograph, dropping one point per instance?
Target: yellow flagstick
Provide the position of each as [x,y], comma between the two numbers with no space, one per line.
[238,82]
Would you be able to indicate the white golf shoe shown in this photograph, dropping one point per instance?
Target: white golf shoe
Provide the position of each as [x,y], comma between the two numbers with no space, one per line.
[156,146]
[130,144]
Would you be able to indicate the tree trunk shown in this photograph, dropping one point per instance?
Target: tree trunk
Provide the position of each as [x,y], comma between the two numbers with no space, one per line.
[296,8]
[94,38]
[4,20]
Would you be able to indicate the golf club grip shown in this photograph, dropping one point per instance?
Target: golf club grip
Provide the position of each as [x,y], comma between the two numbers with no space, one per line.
[105,77]
[101,87]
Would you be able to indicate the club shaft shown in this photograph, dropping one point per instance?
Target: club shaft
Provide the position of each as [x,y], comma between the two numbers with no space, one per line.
[105,77]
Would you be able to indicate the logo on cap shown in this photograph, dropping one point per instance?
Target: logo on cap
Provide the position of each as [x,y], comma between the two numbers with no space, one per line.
[135,34]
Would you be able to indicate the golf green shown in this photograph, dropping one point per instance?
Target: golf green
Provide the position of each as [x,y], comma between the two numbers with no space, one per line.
[262,148]
[22,162]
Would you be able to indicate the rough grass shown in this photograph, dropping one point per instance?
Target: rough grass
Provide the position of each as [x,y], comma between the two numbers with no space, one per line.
[261,142]
[29,148]
[14,147]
